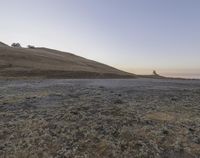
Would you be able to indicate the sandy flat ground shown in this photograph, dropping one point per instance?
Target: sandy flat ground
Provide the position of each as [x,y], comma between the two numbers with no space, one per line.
[100,118]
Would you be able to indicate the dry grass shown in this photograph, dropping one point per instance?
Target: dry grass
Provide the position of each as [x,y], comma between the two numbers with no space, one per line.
[43,62]
[161,116]
[99,118]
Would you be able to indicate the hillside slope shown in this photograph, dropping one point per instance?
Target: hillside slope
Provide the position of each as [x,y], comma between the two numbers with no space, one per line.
[48,63]
[3,44]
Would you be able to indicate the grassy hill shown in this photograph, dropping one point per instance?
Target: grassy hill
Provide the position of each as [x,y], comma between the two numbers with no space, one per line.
[48,63]
[3,45]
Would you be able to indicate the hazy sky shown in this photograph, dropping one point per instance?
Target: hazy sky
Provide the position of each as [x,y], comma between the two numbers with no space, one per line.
[133,35]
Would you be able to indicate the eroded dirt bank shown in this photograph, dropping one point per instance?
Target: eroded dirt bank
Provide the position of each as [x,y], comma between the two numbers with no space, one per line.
[100,118]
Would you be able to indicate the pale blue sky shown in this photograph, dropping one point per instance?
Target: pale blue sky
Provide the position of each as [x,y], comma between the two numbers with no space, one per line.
[133,35]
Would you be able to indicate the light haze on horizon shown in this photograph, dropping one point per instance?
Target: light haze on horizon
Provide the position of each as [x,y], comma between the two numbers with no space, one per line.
[133,35]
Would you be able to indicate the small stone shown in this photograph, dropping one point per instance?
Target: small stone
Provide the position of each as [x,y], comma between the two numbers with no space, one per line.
[115,133]
[197,140]
[118,101]
[74,112]
[191,129]
[166,132]
[124,147]
[174,99]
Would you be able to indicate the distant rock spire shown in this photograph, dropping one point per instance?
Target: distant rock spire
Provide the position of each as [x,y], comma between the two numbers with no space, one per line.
[155,73]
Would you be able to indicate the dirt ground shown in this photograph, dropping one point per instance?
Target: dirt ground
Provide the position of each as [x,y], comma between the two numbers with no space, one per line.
[100,118]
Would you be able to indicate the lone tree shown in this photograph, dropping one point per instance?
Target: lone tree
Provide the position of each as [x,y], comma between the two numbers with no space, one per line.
[16,45]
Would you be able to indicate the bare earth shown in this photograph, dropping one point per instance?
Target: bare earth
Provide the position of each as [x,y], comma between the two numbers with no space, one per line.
[100,118]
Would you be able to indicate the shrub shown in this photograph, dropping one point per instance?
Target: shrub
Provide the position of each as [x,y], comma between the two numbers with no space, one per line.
[16,45]
[31,47]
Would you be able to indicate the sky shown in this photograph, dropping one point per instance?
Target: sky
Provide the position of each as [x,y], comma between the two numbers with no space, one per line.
[137,36]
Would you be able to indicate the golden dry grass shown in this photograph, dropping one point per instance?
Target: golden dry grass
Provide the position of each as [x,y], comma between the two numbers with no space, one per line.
[161,116]
[24,62]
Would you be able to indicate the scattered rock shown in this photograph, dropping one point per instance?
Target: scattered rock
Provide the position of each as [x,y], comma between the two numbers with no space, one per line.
[191,129]
[131,122]
[165,132]
[74,112]
[118,101]
[197,140]
[174,99]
